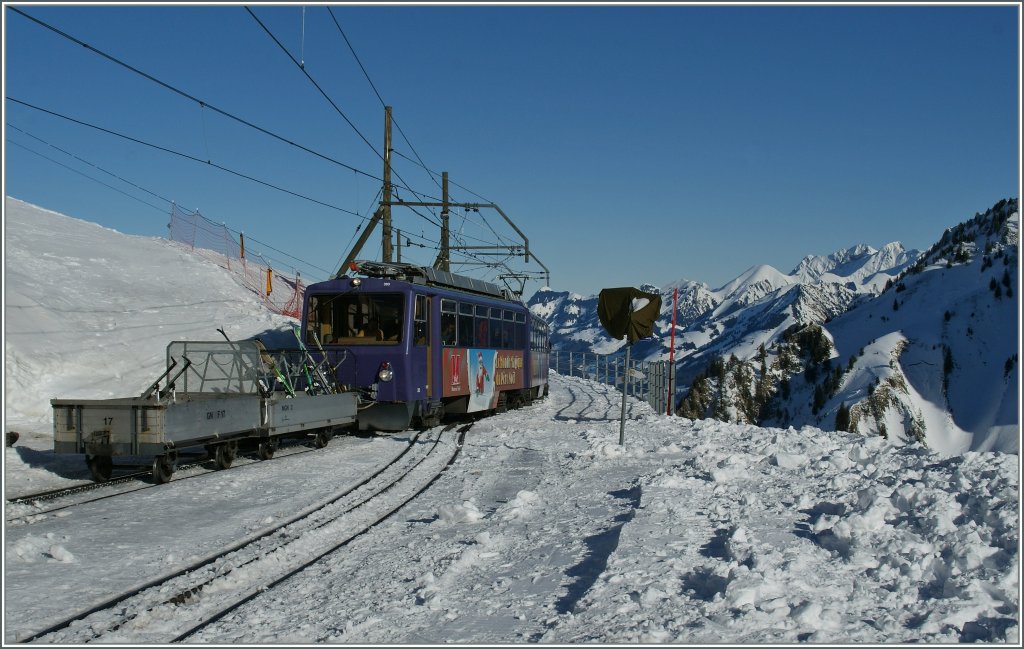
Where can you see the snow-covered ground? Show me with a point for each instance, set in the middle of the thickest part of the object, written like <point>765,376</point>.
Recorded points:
<point>544,530</point>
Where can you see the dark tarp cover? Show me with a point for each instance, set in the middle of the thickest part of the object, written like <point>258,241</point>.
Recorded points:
<point>615,310</point>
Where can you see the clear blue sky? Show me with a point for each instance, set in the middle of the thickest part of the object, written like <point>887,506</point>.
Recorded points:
<point>630,144</point>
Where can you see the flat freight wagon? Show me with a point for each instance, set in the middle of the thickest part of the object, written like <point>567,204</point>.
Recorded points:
<point>216,395</point>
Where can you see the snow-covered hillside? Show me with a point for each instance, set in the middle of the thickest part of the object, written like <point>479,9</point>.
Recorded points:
<point>72,284</point>
<point>940,345</point>
<point>544,530</point>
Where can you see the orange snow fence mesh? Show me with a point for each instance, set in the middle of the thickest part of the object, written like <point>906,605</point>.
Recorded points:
<point>280,293</point>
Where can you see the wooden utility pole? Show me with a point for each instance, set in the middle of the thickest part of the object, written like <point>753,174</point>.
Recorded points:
<point>386,202</point>
<point>443,262</point>
<point>443,259</point>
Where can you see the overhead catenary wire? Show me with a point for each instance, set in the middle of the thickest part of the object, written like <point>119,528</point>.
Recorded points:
<point>437,174</point>
<point>433,173</point>
<point>302,68</point>
<point>501,239</point>
<point>186,156</point>
<point>327,273</point>
<point>141,188</point>
<point>376,92</point>
<point>302,48</point>
<point>355,232</point>
<point>190,97</point>
<point>334,105</point>
<point>95,166</point>
<point>204,104</point>
<point>419,160</point>
<point>85,175</point>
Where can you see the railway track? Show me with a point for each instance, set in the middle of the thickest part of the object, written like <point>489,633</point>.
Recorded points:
<point>214,586</point>
<point>35,506</point>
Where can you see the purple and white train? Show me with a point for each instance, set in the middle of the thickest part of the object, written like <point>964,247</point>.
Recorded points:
<point>417,344</point>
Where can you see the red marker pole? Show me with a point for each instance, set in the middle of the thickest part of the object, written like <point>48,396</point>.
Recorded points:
<point>672,354</point>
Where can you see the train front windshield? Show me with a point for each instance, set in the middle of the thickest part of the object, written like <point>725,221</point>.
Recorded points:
<point>355,318</point>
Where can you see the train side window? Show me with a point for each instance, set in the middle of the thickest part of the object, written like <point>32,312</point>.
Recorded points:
<point>538,335</point>
<point>420,321</point>
<point>519,331</point>
<point>465,324</point>
<point>481,327</point>
<point>448,323</point>
<point>507,326</point>
<point>495,327</point>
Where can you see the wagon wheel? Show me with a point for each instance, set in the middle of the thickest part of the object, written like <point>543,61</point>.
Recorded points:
<point>323,436</point>
<point>224,454</point>
<point>100,467</point>
<point>162,469</point>
<point>266,449</point>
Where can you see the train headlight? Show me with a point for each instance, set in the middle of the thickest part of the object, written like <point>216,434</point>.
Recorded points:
<point>385,374</point>
<point>356,282</point>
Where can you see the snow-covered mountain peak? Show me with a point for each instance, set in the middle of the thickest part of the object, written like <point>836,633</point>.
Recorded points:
<point>860,268</point>
<point>813,267</point>
<point>850,261</point>
<point>761,278</point>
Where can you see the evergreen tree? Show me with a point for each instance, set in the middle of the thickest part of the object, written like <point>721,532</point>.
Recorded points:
<point>843,418</point>
<point>717,369</point>
<point>917,430</point>
<point>947,367</point>
<point>819,399</point>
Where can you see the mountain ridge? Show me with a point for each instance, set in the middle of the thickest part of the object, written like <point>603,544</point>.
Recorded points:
<point>914,305</point>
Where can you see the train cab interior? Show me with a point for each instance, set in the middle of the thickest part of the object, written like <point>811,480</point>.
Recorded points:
<point>356,319</point>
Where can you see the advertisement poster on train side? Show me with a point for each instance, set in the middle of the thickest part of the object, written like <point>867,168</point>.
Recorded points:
<point>481,374</point>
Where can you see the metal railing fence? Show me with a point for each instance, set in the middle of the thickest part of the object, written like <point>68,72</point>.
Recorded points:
<point>649,381</point>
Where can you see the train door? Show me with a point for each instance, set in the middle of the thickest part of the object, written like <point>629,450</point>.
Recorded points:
<point>421,349</point>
